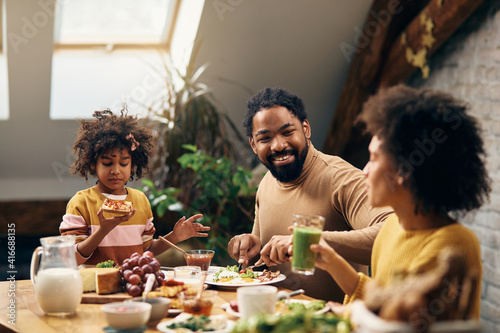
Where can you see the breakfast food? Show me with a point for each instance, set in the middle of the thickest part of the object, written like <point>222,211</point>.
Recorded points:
<point>136,269</point>
<point>231,275</point>
<point>200,323</point>
<point>101,280</point>
<point>116,207</point>
<point>172,289</point>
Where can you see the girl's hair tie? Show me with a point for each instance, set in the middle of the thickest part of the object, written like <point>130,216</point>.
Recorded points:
<point>135,144</point>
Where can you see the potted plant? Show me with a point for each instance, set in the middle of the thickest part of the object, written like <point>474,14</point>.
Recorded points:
<point>220,191</point>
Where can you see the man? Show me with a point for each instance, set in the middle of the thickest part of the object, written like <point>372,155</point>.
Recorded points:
<point>302,180</point>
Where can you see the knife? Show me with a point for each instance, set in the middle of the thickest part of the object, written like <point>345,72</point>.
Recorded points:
<point>259,266</point>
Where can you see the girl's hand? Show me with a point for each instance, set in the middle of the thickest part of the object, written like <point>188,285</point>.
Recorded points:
<point>109,224</point>
<point>326,255</point>
<point>185,229</point>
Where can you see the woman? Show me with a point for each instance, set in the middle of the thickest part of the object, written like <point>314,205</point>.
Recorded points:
<point>425,162</point>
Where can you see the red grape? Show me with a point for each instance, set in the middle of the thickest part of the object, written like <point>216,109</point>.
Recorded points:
<point>134,290</point>
<point>149,254</point>
<point>144,260</point>
<point>134,279</point>
<point>155,265</point>
<point>126,274</point>
<point>138,270</point>
<point>133,262</point>
<point>146,269</point>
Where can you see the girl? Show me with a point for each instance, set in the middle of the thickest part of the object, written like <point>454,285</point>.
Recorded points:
<point>114,149</point>
<point>425,162</point>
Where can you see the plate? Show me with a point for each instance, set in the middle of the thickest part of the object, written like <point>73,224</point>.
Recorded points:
<point>163,326</point>
<point>229,310</point>
<point>225,285</point>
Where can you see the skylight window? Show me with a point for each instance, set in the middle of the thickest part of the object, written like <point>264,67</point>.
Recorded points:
<point>114,22</point>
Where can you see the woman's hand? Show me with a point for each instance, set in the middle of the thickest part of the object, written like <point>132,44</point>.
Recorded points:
<point>185,229</point>
<point>326,255</point>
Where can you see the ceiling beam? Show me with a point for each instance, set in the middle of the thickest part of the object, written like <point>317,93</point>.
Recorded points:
<point>423,36</point>
<point>384,60</point>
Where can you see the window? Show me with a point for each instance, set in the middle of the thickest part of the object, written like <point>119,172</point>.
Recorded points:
<point>115,22</point>
<point>104,51</point>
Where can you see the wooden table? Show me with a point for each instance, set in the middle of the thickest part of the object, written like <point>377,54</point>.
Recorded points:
<point>29,317</point>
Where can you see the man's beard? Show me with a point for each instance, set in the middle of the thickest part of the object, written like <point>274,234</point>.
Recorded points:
<point>287,173</point>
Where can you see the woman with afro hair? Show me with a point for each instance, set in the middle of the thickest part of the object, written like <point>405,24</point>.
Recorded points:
<point>426,162</point>
<point>115,149</point>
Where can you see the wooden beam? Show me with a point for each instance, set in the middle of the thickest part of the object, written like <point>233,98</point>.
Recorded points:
<point>423,36</point>
<point>383,24</point>
<point>413,33</point>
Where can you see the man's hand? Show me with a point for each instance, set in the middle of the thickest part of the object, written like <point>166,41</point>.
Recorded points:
<point>244,247</point>
<point>276,251</point>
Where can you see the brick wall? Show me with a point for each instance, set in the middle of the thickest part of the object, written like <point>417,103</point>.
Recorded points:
<point>468,66</point>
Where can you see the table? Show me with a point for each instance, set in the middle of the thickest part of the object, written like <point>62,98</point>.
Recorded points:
<point>29,317</point>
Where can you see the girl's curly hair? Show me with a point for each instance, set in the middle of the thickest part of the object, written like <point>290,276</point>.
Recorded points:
<point>106,132</point>
<point>434,144</point>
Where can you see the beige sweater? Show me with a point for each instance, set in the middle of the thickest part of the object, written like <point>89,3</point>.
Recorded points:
<point>334,189</point>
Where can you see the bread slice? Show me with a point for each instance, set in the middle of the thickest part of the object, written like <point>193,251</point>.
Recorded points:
<point>116,207</point>
<point>101,280</point>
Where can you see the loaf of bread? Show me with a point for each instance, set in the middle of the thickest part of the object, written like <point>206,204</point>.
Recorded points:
<point>101,280</point>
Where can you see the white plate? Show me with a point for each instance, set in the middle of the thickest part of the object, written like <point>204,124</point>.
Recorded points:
<point>227,285</point>
<point>229,310</point>
<point>163,326</point>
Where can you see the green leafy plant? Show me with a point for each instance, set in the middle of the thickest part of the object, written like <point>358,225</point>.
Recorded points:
<point>220,191</point>
<point>185,112</point>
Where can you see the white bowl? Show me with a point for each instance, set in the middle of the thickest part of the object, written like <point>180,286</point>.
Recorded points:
<point>159,310</point>
<point>125,315</point>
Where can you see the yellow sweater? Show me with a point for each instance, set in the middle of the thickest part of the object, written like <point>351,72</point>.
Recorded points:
<point>398,252</point>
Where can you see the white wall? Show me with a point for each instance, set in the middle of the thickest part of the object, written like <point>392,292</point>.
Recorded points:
<point>257,43</point>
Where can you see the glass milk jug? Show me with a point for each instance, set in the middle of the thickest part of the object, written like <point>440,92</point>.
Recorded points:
<point>58,284</point>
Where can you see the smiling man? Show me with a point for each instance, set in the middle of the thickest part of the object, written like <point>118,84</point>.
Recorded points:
<point>302,180</point>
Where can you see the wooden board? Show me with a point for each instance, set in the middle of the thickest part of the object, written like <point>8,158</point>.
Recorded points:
<point>93,298</point>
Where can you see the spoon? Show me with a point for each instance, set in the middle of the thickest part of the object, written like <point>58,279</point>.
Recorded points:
<point>171,244</point>
<point>149,285</point>
<point>285,295</point>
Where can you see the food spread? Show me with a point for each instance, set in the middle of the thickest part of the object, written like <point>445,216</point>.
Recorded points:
<point>231,275</point>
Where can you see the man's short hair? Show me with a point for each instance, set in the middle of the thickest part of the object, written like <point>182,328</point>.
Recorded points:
<point>268,98</point>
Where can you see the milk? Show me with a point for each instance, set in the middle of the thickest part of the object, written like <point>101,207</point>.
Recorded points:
<point>58,290</point>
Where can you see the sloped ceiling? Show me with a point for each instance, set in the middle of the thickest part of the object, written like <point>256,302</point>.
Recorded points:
<point>295,44</point>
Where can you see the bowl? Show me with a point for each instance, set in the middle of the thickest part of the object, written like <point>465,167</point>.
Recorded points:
<point>159,308</point>
<point>126,315</point>
<point>199,306</point>
<point>201,258</point>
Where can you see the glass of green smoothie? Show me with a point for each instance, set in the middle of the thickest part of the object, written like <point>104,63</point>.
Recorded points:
<point>307,230</point>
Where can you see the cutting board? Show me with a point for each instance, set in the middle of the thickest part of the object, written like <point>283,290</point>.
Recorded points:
<point>93,298</point>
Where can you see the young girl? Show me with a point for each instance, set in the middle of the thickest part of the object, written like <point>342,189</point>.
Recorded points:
<point>425,162</point>
<point>114,149</point>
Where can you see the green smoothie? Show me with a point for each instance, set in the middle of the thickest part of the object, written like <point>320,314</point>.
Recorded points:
<point>303,258</point>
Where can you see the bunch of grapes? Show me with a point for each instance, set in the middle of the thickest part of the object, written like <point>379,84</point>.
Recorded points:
<point>136,269</point>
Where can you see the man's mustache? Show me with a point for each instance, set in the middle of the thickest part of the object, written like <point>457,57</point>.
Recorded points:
<point>283,153</point>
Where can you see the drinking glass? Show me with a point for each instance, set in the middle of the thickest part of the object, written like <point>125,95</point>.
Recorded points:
<point>307,230</point>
